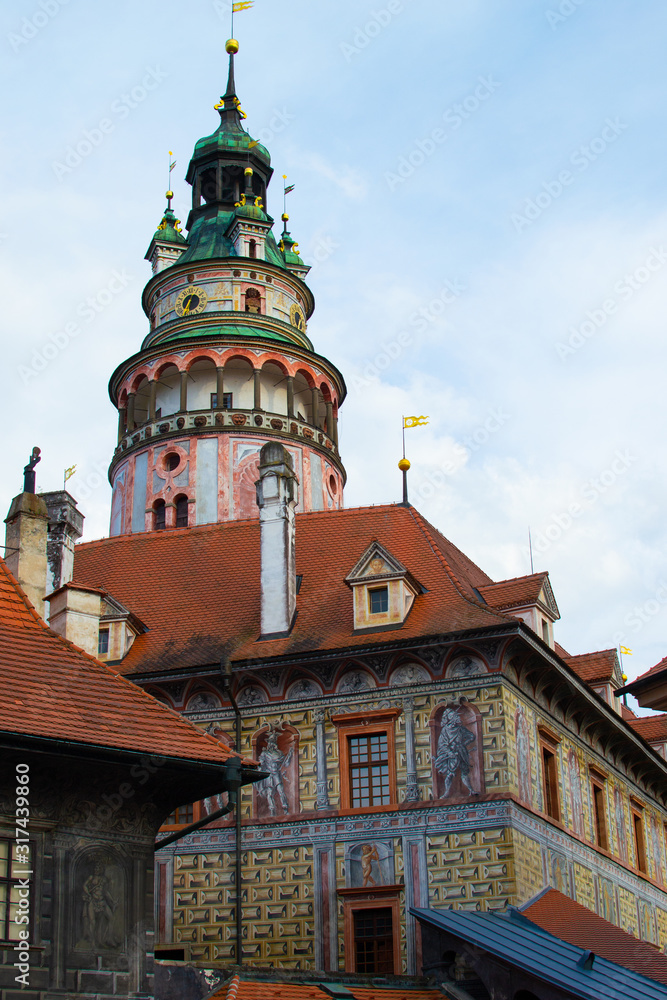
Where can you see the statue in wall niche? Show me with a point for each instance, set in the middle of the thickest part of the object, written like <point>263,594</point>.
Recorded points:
<point>276,762</point>
<point>369,854</point>
<point>99,906</point>
<point>453,750</point>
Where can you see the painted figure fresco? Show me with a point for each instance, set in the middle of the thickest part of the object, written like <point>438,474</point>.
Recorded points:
<point>275,749</point>
<point>575,793</point>
<point>620,825</point>
<point>523,756</point>
<point>99,906</point>
<point>466,666</point>
<point>370,864</point>
<point>453,752</point>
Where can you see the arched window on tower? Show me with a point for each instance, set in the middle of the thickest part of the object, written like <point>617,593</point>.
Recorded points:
<point>159,516</point>
<point>181,511</point>
<point>253,301</point>
<point>252,248</point>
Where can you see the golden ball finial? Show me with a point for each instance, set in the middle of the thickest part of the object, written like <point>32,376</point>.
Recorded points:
<point>231,46</point>
<point>285,217</point>
<point>248,171</point>
<point>404,465</point>
<point>624,677</point>
<point>169,194</point>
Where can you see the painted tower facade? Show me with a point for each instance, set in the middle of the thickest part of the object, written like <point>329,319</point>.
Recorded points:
<point>227,364</point>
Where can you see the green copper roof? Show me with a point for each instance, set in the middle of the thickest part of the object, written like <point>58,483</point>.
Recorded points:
<point>229,330</point>
<point>228,137</point>
<point>207,239</point>
<point>167,232</point>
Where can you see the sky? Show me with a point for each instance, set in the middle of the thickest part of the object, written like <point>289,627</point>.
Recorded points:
<point>481,190</point>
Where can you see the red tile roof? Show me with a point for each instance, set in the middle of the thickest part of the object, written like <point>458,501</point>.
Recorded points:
<point>652,728</point>
<point>242,988</point>
<point>50,688</point>
<point>571,922</point>
<point>197,589</point>
<point>518,592</point>
<point>600,666</point>
<point>657,669</point>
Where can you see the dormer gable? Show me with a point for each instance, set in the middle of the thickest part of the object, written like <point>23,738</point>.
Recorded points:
<point>529,598</point>
<point>383,590</point>
<point>119,627</point>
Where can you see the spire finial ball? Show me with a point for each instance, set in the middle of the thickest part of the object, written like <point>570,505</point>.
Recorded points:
<point>231,46</point>
<point>285,217</point>
<point>404,465</point>
<point>169,194</point>
<point>248,171</point>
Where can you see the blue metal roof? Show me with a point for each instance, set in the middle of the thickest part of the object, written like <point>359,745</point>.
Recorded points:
<point>517,941</point>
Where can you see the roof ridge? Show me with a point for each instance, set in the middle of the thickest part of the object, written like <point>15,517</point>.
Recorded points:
<point>514,579</point>
<point>594,652</point>
<point>422,523</point>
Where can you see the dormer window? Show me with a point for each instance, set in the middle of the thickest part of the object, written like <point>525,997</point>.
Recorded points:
<point>383,591</point>
<point>378,600</point>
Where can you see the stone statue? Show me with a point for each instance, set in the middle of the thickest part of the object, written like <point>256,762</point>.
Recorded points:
<point>273,760</point>
<point>98,909</point>
<point>452,754</point>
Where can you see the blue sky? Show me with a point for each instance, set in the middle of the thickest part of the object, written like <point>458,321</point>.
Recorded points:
<point>497,166</point>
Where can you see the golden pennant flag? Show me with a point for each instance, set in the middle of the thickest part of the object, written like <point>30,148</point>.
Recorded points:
<point>172,163</point>
<point>69,472</point>
<point>415,421</point>
<point>625,651</point>
<point>255,142</point>
<point>242,5</point>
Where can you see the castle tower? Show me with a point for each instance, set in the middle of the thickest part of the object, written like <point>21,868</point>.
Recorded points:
<point>227,365</point>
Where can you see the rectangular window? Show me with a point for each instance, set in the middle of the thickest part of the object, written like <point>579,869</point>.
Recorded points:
<point>226,401</point>
<point>550,776</point>
<point>379,600</point>
<point>369,770</point>
<point>9,890</point>
<point>545,630</point>
<point>103,642</point>
<point>640,847</point>
<point>373,940</point>
<point>182,816</point>
<point>600,817</point>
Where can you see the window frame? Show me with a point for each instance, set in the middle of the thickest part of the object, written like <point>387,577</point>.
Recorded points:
<point>549,747</point>
<point>384,590</point>
<point>9,882</point>
<point>356,901</point>
<point>638,835</point>
<point>365,724</point>
<point>600,825</point>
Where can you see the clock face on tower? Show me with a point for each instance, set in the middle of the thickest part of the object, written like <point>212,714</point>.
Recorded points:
<point>296,316</point>
<point>192,300</point>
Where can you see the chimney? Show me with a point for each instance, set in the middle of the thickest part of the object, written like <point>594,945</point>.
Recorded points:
<point>276,498</point>
<point>25,537</point>
<point>65,528</point>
